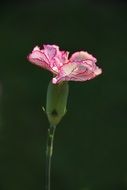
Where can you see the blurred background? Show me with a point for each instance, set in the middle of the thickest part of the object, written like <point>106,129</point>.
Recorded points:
<point>90,149</point>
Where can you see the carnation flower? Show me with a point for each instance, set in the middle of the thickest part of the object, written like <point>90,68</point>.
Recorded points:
<point>81,66</point>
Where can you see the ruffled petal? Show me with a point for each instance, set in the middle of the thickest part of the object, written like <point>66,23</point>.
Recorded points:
<point>56,57</point>
<point>81,67</point>
<point>38,57</point>
<point>82,56</point>
<point>50,57</point>
<point>50,51</point>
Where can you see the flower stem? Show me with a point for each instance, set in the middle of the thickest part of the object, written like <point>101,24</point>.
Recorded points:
<point>49,151</point>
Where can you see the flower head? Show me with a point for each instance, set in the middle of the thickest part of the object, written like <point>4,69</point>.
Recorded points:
<point>81,66</point>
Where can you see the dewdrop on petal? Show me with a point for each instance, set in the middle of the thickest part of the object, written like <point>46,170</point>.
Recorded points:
<point>57,95</point>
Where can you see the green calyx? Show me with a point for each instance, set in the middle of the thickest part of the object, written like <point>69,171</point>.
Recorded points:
<point>57,95</point>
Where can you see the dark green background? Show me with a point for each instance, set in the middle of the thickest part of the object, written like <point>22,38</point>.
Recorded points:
<point>90,150</point>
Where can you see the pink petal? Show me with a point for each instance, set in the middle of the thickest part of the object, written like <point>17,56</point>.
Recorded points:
<point>81,67</point>
<point>39,58</point>
<point>82,56</point>
<point>50,57</point>
<point>50,51</point>
<point>56,57</point>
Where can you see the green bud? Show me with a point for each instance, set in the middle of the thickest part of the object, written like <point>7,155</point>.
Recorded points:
<point>57,95</point>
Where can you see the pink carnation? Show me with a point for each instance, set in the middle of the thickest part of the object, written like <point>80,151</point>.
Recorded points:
<point>79,67</point>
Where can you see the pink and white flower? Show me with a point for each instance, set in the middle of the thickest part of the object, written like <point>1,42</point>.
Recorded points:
<point>81,66</point>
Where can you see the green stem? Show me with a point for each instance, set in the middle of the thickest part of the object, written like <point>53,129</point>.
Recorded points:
<point>49,150</point>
